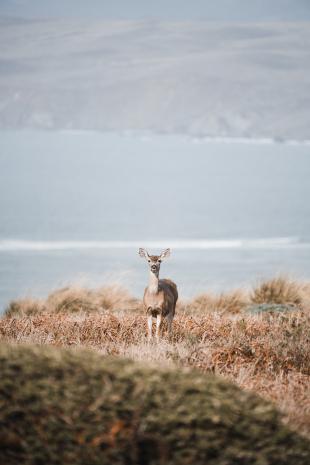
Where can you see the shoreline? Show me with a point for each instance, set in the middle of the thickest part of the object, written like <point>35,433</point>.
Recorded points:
<point>147,135</point>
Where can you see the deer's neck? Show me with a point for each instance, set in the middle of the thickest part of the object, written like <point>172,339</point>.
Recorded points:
<point>153,283</point>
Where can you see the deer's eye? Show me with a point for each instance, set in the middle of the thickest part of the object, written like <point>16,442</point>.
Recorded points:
<point>159,261</point>
<point>149,261</point>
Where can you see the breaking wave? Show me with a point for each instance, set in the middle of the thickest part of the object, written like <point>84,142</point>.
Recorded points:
<point>11,245</point>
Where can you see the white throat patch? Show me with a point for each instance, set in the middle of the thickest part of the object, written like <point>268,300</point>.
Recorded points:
<point>153,284</point>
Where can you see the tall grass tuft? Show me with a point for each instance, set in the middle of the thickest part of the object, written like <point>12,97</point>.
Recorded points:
<point>74,299</point>
<point>231,302</point>
<point>25,307</point>
<point>277,291</point>
<point>116,298</point>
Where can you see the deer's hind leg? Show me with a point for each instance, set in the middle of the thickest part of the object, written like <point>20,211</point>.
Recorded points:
<point>169,323</point>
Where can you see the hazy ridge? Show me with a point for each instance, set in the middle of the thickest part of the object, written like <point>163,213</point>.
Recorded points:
<point>196,78</point>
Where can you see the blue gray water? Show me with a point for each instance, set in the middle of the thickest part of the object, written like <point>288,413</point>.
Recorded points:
<point>75,206</point>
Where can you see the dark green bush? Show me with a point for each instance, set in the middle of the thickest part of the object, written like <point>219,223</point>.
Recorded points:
<point>65,407</point>
<point>271,308</point>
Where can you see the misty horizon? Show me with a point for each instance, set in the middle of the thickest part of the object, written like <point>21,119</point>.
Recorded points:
<point>223,10</point>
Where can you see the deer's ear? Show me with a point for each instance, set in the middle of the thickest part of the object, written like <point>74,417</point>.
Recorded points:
<point>143,253</point>
<point>165,253</point>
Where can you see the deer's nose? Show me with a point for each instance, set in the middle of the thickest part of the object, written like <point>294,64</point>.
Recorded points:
<point>153,267</point>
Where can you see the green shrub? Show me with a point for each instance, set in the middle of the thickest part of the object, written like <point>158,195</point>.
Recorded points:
<point>65,407</point>
<point>270,308</point>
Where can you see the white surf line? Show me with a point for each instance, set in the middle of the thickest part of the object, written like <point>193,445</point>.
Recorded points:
<point>194,244</point>
<point>149,135</point>
<point>248,140</point>
<point>218,139</point>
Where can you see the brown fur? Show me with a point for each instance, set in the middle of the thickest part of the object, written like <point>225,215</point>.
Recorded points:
<point>161,295</point>
<point>163,301</point>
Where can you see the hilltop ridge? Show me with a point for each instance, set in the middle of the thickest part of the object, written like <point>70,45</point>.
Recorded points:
<point>195,78</point>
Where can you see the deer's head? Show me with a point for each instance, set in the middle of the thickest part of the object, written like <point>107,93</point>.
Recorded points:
<point>154,261</point>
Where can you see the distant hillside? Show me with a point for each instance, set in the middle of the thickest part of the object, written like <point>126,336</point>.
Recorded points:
<point>197,78</point>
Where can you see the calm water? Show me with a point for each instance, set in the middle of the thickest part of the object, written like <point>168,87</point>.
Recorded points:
<point>76,206</point>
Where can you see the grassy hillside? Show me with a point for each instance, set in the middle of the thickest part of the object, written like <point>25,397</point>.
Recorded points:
<point>258,339</point>
<point>78,407</point>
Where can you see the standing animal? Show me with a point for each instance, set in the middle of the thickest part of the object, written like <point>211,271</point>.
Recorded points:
<point>161,295</point>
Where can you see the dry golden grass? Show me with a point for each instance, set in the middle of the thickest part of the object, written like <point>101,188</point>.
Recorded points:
<point>279,290</point>
<point>25,307</point>
<point>74,299</point>
<point>231,302</point>
<point>268,354</point>
<point>115,298</point>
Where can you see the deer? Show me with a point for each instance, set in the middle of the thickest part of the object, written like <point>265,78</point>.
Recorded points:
<point>160,296</point>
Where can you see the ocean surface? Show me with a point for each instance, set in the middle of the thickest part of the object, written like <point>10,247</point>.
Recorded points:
<point>76,206</point>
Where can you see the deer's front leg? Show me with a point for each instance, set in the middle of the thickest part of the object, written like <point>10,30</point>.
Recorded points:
<point>149,327</point>
<point>158,325</point>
